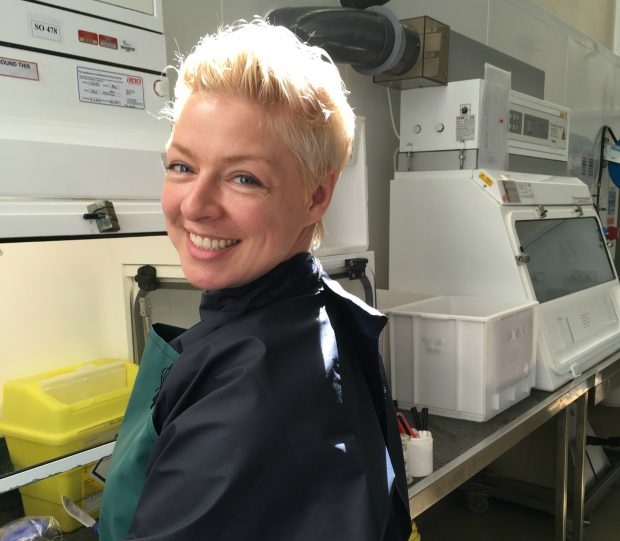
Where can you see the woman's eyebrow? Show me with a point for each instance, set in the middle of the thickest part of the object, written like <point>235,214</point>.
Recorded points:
<point>231,159</point>
<point>181,148</point>
<point>246,157</point>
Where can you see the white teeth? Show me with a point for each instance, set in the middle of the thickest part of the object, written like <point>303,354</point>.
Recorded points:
<point>206,243</point>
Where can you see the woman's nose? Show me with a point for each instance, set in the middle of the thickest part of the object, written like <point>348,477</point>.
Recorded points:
<point>202,200</point>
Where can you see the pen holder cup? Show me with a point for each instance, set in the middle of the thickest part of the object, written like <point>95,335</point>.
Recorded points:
<point>420,455</point>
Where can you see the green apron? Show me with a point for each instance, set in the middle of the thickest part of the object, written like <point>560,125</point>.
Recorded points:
<point>127,471</point>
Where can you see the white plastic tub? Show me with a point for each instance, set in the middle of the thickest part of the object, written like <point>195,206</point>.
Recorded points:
<point>463,357</point>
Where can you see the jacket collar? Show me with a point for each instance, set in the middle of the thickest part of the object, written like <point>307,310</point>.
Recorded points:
<point>296,276</point>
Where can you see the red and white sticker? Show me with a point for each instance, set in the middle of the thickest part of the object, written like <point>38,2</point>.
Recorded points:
<point>20,69</point>
<point>88,37</point>
<point>110,88</point>
<point>108,42</point>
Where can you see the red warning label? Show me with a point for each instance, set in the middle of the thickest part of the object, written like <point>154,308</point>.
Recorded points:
<point>108,42</point>
<point>88,37</point>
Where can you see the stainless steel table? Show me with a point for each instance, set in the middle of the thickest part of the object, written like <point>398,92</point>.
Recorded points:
<point>464,448</point>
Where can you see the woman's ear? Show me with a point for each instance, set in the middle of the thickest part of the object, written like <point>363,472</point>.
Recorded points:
<point>322,195</point>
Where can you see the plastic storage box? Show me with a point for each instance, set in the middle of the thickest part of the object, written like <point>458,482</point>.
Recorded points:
<point>56,413</point>
<point>463,357</point>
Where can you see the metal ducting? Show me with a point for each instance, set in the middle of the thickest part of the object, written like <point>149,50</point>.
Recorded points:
<point>372,40</point>
<point>362,4</point>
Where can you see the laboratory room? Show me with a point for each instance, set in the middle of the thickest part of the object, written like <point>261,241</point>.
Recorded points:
<point>286,270</point>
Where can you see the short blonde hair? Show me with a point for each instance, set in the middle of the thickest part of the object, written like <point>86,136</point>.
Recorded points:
<point>268,65</point>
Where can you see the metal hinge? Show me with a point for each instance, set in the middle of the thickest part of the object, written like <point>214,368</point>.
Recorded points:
<point>522,258</point>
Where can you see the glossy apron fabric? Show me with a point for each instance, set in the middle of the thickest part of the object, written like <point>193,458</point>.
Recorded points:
<point>137,435</point>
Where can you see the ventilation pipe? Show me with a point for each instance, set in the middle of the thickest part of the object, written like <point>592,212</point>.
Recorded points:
<point>372,40</point>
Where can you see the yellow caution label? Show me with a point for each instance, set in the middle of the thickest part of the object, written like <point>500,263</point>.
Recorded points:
<point>485,179</point>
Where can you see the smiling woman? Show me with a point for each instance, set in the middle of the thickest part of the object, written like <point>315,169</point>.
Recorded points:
<point>271,418</point>
<point>233,199</point>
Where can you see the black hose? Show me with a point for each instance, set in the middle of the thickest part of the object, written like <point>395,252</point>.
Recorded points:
<point>371,40</point>
<point>604,130</point>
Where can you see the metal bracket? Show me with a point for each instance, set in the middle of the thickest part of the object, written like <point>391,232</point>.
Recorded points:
<point>542,211</point>
<point>104,215</point>
<point>579,210</point>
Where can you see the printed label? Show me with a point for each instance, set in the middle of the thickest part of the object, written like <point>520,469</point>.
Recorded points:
<point>128,46</point>
<point>45,30</point>
<point>465,127</point>
<point>100,471</point>
<point>92,490</point>
<point>611,202</point>
<point>512,193</point>
<point>109,88</point>
<point>91,38</point>
<point>11,67</point>
<point>526,192</point>
<point>108,41</point>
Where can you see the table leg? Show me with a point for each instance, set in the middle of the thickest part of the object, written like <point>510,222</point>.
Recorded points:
<point>561,474</point>
<point>580,456</point>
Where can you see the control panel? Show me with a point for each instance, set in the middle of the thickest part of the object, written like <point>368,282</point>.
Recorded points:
<point>452,117</point>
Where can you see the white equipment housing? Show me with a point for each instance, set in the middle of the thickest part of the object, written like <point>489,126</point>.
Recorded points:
<point>453,117</point>
<point>513,236</point>
<point>81,87</point>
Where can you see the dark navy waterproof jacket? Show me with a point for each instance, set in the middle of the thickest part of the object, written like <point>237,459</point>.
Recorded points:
<point>275,422</point>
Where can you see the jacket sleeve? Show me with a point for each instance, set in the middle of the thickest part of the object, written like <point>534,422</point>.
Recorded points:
<point>245,452</point>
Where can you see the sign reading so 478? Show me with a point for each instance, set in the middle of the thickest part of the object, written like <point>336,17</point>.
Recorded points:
<point>45,30</point>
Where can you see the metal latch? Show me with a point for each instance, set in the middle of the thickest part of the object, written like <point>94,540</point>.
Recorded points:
<point>104,215</point>
<point>579,210</point>
<point>355,268</point>
<point>542,211</point>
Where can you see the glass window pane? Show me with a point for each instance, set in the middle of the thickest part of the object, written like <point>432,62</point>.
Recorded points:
<point>566,255</point>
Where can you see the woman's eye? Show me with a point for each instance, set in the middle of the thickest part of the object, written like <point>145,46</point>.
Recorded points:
<point>246,180</point>
<point>178,168</point>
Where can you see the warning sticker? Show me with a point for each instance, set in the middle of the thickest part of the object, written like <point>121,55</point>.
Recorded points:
<point>109,88</point>
<point>108,41</point>
<point>484,178</point>
<point>92,490</point>
<point>88,37</point>
<point>11,67</point>
<point>465,127</point>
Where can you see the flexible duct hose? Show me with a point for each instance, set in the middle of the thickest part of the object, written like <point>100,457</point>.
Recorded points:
<point>372,40</point>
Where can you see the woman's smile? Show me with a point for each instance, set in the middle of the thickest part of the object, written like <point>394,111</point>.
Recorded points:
<point>211,244</point>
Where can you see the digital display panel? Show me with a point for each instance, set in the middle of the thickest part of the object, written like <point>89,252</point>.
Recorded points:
<point>534,126</point>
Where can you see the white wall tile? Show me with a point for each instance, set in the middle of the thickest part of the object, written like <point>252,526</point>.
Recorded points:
<point>523,31</point>
<point>185,21</point>
<point>590,89</point>
<point>615,115</point>
<point>234,11</point>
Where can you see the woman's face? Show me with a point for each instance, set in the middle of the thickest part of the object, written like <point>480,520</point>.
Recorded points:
<point>233,199</point>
